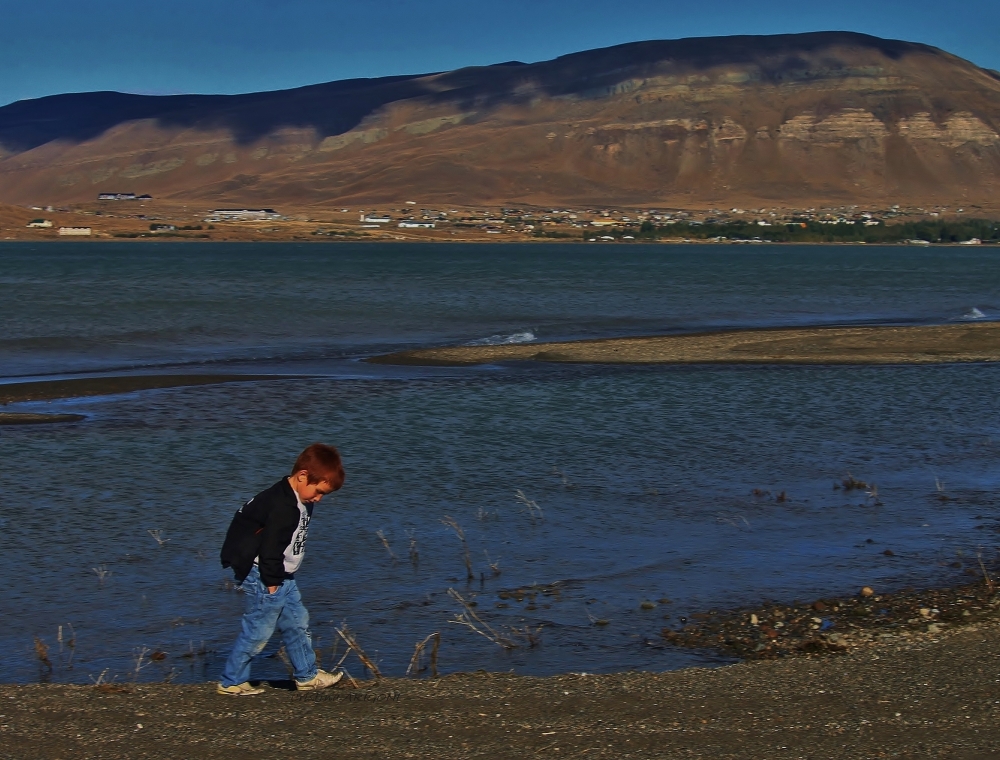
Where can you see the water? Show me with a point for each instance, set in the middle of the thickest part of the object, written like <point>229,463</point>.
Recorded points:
<point>644,475</point>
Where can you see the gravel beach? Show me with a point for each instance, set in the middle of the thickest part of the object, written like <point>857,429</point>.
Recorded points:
<point>932,695</point>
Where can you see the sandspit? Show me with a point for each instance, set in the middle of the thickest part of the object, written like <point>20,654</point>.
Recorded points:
<point>49,390</point>
<point>27,418</point>
<point>965,342</point>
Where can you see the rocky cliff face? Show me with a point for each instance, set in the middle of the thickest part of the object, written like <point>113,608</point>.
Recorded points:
<point>786,120</point>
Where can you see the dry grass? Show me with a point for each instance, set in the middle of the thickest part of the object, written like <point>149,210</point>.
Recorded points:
<point>414,667</point>
<point>534,511</point>
<point>42,653</point>
<point>385,543</point>
<point>283,656</point>
<point>414,553</point>
<point>493,565</point>
<point>70,643</point>
<point>139,662</point>
<point>850,483</point>
<point>471,620</point>
<point>158,537</point>
<point>451,523</point>
<point>102,573</point>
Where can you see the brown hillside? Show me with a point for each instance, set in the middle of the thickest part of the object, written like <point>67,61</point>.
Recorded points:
<point>786,120</point>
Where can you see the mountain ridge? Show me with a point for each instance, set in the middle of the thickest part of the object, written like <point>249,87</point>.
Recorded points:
<point>776,118</point>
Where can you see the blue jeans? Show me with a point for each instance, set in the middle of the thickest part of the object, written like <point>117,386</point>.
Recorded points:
<point>264,612</point>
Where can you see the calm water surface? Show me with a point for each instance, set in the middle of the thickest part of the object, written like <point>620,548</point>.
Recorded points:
<point>644,475</point>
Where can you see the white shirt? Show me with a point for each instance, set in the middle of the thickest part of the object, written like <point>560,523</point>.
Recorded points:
<point>296,549</point>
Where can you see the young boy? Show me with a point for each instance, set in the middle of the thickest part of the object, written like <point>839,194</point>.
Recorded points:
<point>264,547</point>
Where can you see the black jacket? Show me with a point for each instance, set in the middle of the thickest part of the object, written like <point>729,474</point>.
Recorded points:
<point>263,527</point>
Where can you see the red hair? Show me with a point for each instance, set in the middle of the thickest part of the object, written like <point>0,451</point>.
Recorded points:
<point>321,462</point>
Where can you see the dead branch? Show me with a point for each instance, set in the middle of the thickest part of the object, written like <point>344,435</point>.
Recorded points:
<point>418,651</point>
<point>348,637</point>
<point>470,619</point>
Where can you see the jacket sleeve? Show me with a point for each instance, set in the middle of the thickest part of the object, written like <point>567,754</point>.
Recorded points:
<point>276,536</point>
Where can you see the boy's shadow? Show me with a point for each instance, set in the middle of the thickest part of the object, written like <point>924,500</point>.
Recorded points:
<point>285,684</point>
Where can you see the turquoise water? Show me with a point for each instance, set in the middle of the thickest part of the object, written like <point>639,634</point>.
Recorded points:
<point>643,475</point>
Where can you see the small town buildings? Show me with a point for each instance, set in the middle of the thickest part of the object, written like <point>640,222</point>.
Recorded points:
<point>243,215</point>
<point>75,231</point>
<point>39,223</point>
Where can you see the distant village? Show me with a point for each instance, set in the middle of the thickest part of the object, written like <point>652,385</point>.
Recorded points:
<point>410,220</point>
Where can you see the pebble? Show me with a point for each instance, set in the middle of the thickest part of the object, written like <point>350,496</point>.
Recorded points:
<point>867,591</point>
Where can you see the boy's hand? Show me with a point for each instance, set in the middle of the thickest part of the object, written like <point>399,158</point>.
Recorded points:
<point>271,589</point>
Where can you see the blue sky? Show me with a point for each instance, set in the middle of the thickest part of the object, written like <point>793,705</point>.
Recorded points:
<point>221,46</point>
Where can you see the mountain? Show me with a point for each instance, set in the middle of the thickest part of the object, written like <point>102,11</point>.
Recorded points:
<point>792,120</point>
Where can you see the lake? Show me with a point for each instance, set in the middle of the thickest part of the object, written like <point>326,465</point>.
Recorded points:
<point>592,489</point>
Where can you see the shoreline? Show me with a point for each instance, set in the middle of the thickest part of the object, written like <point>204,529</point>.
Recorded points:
<point>512,240</point>
<point>936,344</point>
<point>933,695</point>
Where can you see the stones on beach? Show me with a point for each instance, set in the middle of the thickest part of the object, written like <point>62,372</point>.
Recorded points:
<point>781,630</point>
<point>867,591</point>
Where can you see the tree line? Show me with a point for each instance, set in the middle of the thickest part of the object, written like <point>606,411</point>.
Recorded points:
<point>810,231</point>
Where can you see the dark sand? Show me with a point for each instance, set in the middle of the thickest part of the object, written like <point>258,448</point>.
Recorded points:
<point>979,342</point>
<point>15,418</point>
<point>48,390</point>
<point>922,696</point>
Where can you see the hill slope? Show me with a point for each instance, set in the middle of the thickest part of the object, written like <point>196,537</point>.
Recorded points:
<point>790,119</point>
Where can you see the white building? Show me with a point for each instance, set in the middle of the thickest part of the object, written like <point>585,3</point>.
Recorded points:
<point>243,215</point>
<point>415,225</point>
<point>39,223</point>
<point>374,219</point>
<point>75,231</point>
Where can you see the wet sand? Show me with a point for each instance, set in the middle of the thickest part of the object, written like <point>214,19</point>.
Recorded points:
<point>49,390</point>
<point>935,695</point>
<point>14,418</point>
<point>979,342</point>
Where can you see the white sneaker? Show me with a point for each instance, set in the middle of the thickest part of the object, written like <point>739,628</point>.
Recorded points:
<point>320,681</point>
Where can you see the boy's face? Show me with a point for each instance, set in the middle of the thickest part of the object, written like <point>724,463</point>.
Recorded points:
<point>309,493</point>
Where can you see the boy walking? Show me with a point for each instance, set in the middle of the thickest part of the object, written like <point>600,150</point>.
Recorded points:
<point>264,546</point>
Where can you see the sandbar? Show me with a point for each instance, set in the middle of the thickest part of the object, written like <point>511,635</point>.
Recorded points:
<point>924,344</point>
<point>25,418</point>
<point>48,390</point>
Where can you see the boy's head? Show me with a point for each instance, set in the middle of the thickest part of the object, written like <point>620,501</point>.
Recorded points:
<point>316,472</point>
